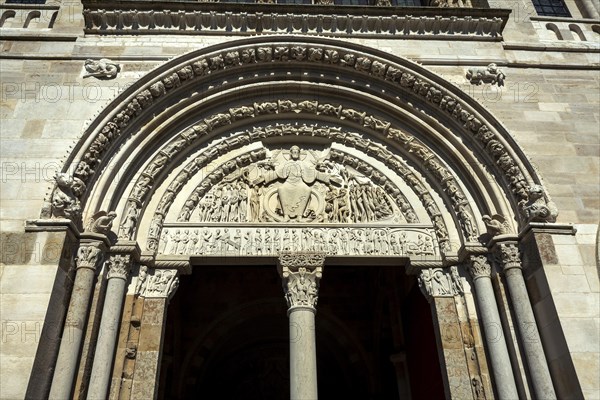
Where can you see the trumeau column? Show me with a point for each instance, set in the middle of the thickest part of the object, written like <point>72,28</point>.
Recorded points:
<point>527,327</point>
<point>119,267</point>
<point>502,372</point>
<point>89,256</point>
<point>301,273</point>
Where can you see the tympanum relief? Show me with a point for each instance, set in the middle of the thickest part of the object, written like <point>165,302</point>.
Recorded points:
<point>296,186</point>
<point>296,199</point>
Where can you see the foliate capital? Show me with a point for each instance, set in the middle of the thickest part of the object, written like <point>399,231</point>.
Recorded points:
<point>479,267</point>
<point>88,256</point>
<point>509,255</point>
<point>119,266</point>
<point>301,273</point>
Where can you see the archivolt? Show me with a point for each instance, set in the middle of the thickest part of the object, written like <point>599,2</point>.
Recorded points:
<point>450,128</point>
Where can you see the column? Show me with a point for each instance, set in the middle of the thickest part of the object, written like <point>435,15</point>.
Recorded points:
<point>89,255</point>
<point>301,273</point>
<point>526,325</point>
<point>504,379</point>
<point>119,267</point>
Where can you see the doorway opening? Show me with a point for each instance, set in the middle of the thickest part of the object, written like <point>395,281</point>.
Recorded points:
<point>227,336</point>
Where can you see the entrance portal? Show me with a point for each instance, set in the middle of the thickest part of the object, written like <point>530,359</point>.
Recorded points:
<point>227,336</point>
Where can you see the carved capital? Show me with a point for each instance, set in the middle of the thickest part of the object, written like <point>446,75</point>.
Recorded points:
<point>440,282</point>
<point>89,256</point>
<point>161,283</point>
<point>301,273</point>
<point>509,256</point>
<point>119,266</point>
<point>480,267</point>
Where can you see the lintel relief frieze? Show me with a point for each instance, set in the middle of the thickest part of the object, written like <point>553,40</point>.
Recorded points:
<point>330,239</point>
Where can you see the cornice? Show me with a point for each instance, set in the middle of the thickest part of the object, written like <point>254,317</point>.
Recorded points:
<point>192,18</point>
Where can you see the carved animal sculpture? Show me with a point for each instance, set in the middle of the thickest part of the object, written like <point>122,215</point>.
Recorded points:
<point>103,68</point>
<point>63,201</point>
<point>537,208</point>
<point>491,74</point>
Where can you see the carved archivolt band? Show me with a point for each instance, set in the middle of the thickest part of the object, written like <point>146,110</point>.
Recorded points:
<point>404,79</point>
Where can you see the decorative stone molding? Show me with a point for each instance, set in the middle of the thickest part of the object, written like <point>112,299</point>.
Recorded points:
<point>119,266</point>
<point>479,267</point>
<point>200,19</point>
<point>101,69</point>
<point>89,256</point>
<point>490,74</point>
<point>440,282</point>
<point>161,283</point>
<point>301,273</point>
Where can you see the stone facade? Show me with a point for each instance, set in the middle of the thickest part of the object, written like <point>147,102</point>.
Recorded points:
<point>477,125</point>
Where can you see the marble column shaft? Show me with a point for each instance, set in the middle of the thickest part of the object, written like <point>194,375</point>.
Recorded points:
<point>526,325</point>
<point>118,274</point>
<point>88,256</point>
<point>301,273</point>
<point>502,372</point>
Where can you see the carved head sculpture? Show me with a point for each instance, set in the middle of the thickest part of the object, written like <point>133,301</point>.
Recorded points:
<point>295,152</point>
<point>535,192</point>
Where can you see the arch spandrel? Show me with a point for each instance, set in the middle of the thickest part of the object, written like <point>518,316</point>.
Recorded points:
<point>480,156</point>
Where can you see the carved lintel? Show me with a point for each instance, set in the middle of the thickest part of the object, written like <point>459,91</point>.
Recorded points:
<point>158,283</point>
<point>119,266</point>
<point>301,273</point>
<point>89,255</point>
<point>440,282</point>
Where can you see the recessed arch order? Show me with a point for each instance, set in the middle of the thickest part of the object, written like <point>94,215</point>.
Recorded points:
<point>440,156</point>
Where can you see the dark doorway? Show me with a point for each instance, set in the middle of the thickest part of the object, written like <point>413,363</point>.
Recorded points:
<point>227,334</point>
